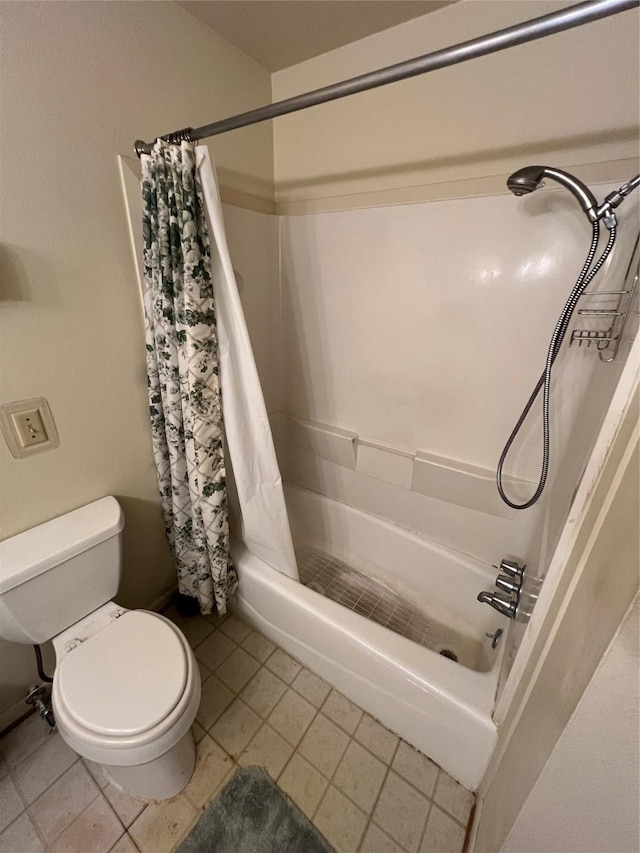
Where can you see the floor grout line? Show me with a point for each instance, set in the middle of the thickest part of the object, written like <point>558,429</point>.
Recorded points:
<point>384,782</point>
<point>426,825</point>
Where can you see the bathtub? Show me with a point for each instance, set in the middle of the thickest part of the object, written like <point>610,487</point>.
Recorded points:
<point>441,707</point>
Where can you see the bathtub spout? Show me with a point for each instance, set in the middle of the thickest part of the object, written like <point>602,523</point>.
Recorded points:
<point>500,603</point>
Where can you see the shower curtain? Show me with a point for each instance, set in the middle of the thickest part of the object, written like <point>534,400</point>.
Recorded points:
<point>203,384</point>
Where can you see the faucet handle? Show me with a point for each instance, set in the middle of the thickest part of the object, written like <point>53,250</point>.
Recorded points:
<point>510,585</point>
<point>512,568</point>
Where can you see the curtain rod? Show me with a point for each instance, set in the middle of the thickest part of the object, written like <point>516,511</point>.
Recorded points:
<point>536,28</point>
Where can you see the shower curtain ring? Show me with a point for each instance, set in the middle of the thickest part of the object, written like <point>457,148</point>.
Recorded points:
<point>179,136</point>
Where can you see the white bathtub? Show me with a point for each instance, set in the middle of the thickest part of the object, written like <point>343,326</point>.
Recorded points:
<point>441,707</point>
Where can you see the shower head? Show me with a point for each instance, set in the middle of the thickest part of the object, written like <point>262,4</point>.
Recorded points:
<point>530,178</point>
<point>525,180</point>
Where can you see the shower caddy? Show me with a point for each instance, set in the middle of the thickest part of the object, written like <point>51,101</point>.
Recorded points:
<point>607,341</point>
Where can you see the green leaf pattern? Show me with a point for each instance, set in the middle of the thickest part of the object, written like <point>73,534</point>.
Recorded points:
<point>185,403</point>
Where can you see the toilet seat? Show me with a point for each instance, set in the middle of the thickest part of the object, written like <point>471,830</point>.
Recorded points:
<point>125,679</point>
<point>102,732</point>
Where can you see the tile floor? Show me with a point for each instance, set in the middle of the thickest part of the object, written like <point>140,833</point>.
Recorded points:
<point>364,788</point>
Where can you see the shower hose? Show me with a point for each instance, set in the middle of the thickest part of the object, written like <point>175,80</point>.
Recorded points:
<point>584,279</point>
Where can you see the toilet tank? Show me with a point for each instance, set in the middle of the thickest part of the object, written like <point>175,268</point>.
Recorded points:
<point>55,574</point>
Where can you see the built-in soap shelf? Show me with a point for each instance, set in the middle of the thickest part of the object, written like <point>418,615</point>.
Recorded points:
<point>430,474</point>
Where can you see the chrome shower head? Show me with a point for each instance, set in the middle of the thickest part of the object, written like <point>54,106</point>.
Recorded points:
<point>529,178</point>
<point>525,180</point>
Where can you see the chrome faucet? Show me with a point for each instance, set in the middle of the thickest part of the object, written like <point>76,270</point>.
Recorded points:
<point>500,603</point>
<point>506,601</point>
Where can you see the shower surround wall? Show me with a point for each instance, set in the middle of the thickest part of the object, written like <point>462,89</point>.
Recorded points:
<point>416,332</point>
<point>421,329</point>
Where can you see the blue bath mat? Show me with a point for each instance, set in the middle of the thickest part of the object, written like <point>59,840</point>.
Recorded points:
<point>252,815</point>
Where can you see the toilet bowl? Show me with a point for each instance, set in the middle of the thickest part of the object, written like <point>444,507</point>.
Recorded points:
<point>126,685</point>
<point>126,690</point>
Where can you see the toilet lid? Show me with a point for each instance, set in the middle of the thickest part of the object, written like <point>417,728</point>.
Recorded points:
<point>125,679</point>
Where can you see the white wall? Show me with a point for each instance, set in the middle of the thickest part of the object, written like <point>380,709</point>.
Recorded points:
<point>80,82</point>
<point>569,100</point>
<point>424,328</point>
<point>586,797</point>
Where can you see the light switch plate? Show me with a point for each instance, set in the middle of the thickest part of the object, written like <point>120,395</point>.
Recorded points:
<point>28,427</point>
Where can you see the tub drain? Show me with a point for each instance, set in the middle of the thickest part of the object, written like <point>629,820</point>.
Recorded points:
<point>447,653</point>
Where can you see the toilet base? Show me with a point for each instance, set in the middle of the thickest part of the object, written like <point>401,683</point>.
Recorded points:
<point>161,778</point>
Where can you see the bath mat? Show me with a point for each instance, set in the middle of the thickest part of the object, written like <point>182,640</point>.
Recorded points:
<point>252,815</point>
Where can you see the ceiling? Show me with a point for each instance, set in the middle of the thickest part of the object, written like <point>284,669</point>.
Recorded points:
<point>280,33</point>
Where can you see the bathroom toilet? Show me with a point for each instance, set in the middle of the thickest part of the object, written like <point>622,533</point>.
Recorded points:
<point>126,685</point>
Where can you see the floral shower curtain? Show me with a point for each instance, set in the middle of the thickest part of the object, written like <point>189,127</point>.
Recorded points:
<point>183,372</point>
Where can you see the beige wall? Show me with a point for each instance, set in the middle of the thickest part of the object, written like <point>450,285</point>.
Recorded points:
<point>80,82</point>
<point>571,99</point>
<point>586,798</point>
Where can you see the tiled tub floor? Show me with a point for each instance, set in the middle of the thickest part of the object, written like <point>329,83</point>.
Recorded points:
<point>372,599</point>
<point>363,788</point>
